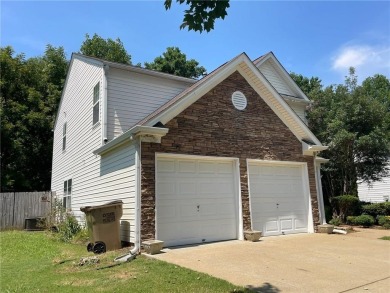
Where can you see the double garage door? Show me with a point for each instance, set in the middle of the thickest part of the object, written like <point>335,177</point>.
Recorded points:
<point>197,199</point>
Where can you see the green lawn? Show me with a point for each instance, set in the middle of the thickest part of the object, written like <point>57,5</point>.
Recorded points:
<point>36,262</point>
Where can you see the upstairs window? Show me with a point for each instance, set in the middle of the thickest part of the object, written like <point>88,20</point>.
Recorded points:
<point>66,199</point>
<point>96,99</point>
<point>64,137</point>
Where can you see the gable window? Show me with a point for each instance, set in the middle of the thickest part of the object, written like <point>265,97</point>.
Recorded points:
<point>64,137</point>
<point>66,199</point>
<point>96,103</point>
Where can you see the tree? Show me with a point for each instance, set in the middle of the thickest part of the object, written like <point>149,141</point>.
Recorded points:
<point>201,15</point>
<point>312,87</point>
<point>175,62</point>
<point>109,49</point>
<point>30,94</point>
<point>354,123</point>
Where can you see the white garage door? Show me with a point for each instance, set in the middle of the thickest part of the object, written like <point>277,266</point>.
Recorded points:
<point>196,200</point>
<point>278,198</point>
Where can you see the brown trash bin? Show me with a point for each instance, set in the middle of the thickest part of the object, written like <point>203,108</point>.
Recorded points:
<point>103,224</point>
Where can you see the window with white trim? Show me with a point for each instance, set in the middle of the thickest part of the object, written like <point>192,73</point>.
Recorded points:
<point>64,137</point>
<point>67,197</point>
<point>96,99</point>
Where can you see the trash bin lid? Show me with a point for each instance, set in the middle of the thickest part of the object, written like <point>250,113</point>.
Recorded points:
<point>109,204</point>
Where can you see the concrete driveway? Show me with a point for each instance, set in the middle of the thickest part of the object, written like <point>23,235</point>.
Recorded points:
<point>356,262</point>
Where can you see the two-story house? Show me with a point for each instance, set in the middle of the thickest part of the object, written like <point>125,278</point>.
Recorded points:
<point>193,160</point>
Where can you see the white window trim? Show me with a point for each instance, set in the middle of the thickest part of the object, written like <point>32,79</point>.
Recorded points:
<point>97,86</point>
<point>66,195</point>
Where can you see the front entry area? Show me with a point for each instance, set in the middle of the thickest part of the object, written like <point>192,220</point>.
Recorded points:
<point>279,197</point>
<point>196,199</point>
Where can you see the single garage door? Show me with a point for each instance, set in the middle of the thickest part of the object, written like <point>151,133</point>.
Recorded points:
<point>278,197</point>
<point>196,200</point>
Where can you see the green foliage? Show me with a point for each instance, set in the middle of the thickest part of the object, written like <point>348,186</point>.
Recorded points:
<point>347,205</point>
<point>384,221</point>
<point>201,15</point>
<point>385,238</point>
<point>68,228</point>
<point>335,222</point>
<point>106,49</point>
<point>173,61</point>
<point>376,209</point>
<point>351,220</point>
<point>354,121</point>
<point>30,92</point>
<point>364,220</point>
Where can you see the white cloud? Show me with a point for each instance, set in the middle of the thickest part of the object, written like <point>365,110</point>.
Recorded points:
<point>367,60</point>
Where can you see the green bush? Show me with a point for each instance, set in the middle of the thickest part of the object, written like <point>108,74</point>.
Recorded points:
<point>68,228</point>
<point>351,220</point>
<point>364,220</point>
<point>383,221</point>
<point>335,222</point>
<point>376,209</point>
<point>347,205</point>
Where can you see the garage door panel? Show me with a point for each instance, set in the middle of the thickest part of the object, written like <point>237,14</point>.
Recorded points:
<point>202,198</point>
<point>277,198</point>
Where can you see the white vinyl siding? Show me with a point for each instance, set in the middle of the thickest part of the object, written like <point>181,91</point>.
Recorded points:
<point>275,79</point>
<point>299,109</point>
<point>95,180</point>
<point>378,192</point>
<point>133,96</point>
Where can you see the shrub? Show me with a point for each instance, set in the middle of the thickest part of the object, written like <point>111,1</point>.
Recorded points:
<point>68,228</point>
<point>376,209</point>
<point>351,220</point>
<point>347,205</point>
<point>364,220</point>
<point>335,222</point>
<point>383,221</point>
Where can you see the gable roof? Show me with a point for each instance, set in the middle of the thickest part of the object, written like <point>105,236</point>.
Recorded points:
<point>254,77</point>
<point>282,72</point>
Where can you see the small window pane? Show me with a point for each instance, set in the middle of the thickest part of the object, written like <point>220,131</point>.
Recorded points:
<point>96,113</point>
<point>70,186</point>
<point>96,94</point>
<point>64,129</point>
<point>65,187</point>
<point>64,201</point>
<point>64,143</point>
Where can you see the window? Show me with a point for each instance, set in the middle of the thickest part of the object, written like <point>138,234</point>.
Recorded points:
<point>66,200</point>
<point>64,137</point>
<point>96,103</point>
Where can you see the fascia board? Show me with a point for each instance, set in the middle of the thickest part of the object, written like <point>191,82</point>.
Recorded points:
<point>273,91</point>
<point>287,76</point>
<point>137,130</point>
<point>193,96</point>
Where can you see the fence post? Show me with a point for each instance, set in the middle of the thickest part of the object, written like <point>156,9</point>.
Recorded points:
<point>13,211</point>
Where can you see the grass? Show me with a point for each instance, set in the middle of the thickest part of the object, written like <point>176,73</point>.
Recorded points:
<point>385,238</point>
<point>37,262</point>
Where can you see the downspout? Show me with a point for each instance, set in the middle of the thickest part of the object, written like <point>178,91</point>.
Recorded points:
<point>320,196</point>
<point>105,110</point>
<point>137,243</point>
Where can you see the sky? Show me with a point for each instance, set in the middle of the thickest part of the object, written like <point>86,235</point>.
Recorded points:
<point>312,38</point>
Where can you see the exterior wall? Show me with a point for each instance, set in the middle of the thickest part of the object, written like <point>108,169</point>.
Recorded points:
<point>275,79</point>
<point>95,180</point>
<point>378,192</point>
<point>299,109</point>
<point>213,127</point>
<point>133,96</point>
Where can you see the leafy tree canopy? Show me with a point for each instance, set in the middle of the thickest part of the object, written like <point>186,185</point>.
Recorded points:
<point>354,121</point>
<point>30,94</point>
<point>175,62</point>
<point>108,49</point>
<point>201,15</point>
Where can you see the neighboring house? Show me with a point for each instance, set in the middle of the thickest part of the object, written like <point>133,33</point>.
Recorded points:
<point>193,160</point>
<point>378,191</point>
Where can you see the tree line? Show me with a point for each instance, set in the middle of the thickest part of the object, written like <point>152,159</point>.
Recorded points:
<point>353,120</point>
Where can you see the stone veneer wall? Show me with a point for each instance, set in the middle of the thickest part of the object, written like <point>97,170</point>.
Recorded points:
<point>213,127</point>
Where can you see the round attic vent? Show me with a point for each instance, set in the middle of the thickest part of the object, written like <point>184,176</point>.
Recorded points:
<point>239,100</point>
